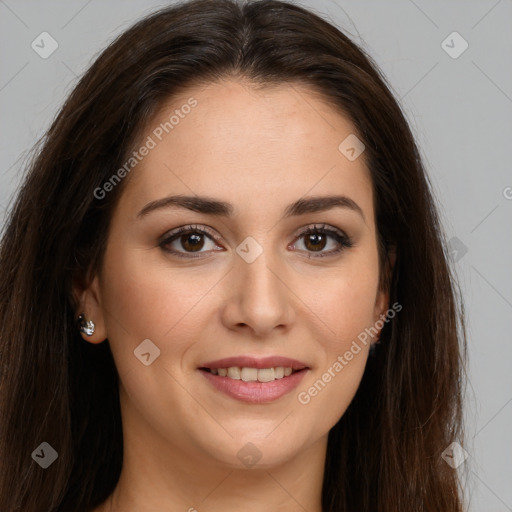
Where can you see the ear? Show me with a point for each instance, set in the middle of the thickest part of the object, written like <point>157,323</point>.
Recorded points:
<point>382,300</point>
<point>88,297</point>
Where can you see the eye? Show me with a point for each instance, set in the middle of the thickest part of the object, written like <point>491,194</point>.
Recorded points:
<point>189,238</point>
<point>316,238</point>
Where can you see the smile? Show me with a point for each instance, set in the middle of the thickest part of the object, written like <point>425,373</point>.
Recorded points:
<point>248,374</point>
<point>248,385</point>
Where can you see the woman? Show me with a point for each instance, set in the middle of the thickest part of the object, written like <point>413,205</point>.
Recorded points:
<point>224,283</point>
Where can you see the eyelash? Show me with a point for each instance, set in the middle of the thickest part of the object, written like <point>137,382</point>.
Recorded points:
<point>343,240</point>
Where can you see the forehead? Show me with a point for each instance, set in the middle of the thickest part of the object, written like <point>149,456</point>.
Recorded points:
<point>230,140</point>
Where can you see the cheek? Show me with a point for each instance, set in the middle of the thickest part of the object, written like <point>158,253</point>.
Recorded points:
<point>326,396</point>
<point>346,306</point>
<point>133,303</point>
<point>144,298</point>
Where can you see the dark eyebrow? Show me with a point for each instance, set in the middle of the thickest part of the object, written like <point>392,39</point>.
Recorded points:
<point>215,207</point>
<point>321,204</point>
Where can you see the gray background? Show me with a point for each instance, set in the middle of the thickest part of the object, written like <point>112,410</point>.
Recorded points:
<point>460,110</point>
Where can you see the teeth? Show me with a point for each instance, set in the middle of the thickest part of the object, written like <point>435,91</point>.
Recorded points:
<point>266,374</point>
<point>234,372</point>
<point>249,374</point>
<point>253,374</point>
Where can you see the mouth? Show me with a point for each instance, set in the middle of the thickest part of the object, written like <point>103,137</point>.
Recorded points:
<point>249,374</point>
<point>253,380</point>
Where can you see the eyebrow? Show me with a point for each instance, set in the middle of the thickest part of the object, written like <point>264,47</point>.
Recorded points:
<point>209,206</point>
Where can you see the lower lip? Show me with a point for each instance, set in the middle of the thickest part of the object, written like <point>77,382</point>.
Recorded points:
<point>255,392</point>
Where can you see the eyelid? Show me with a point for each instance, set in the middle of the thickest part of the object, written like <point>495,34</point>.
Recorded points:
<point>201,228</point>
<point>343,240</point>
<point>210,231</point>
<point>320,227</point>
<point>173,234</point>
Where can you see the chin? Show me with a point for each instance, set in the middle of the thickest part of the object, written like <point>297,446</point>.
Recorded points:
<point>254,452</point>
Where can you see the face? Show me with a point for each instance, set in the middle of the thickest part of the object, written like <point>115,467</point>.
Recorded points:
<point>244,279</point>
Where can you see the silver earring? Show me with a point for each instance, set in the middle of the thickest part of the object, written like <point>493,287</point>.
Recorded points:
<point>373,348</point>
<point>85,326</point>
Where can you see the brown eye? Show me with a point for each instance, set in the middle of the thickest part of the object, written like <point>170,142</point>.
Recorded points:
<point>316,238</point>
<point>315,241</point>
<point>186,241</point>
<point>192,242</point>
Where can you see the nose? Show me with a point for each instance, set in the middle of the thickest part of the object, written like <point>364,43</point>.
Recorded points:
<point>259,299</point>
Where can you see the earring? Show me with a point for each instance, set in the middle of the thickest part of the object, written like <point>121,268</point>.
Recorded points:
<point>85,326</point>
<point>373,348</point>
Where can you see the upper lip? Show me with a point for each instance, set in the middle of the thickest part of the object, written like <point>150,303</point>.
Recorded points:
<point>255,362</point>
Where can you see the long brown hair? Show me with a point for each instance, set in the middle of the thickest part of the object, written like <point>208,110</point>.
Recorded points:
<point>385,452</point>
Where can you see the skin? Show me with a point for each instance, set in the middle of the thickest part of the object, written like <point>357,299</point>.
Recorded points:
<point>259,150</point>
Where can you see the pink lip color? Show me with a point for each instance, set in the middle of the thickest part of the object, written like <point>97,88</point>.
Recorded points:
<point>255,392</point>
